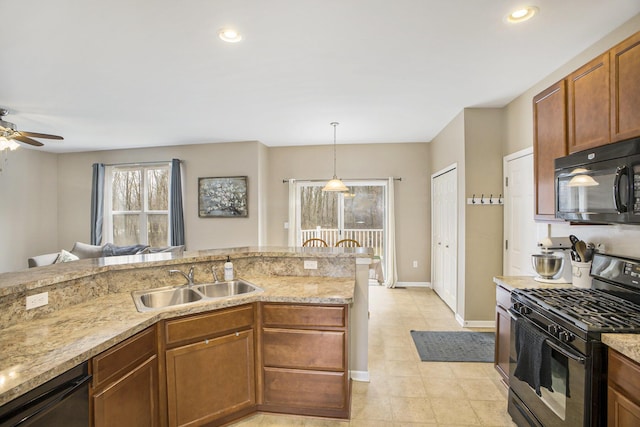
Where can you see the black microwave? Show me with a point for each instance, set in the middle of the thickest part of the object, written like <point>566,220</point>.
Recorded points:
<point>600,185</point>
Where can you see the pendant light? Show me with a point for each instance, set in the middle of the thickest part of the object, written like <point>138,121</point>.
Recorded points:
<point>335,184</point>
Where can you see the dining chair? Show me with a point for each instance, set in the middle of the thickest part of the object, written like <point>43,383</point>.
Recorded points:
<point>348,243</point>
<point>315,242</point>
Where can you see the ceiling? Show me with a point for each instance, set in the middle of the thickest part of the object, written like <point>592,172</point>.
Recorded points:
<point>139,73</point>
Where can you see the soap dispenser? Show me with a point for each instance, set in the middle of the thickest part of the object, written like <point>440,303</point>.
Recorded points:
<point>228,269</point>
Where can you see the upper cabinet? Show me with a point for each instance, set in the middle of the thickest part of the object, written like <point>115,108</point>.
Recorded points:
<point>597,104</point>
<point>549,142</point>
<point>588,105</point>
<point>625,89</point>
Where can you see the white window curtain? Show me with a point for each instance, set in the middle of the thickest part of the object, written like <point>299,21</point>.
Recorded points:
<point>293,226</point>
<point>391,277</point>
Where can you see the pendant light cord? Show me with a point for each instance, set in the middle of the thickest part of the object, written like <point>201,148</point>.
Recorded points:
<point>334,124</point>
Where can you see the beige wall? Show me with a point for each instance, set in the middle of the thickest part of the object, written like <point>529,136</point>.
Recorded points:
<point>28,207</point>
<point>412,194</point>
<point>207,160</point>
<point>473,141</point>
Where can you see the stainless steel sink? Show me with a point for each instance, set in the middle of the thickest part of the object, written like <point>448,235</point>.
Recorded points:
<point>164,297</point>
<point>171,296</point>
<point>227,289</point>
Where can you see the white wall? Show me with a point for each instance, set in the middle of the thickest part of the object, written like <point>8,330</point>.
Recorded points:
<point>28,207</point>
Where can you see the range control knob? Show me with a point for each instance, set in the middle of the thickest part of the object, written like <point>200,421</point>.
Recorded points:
<point>524,310</point>
<point>566,336</point>
<point>553,330</point>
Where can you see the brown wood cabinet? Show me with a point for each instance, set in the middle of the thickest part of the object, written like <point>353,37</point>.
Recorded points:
<point>588,105</point>
<point>549,143</point>
<point>623,397</point>
<point>503,333</point>
<point>210,366</point>
<point>625,89</point>
<point>124,388</point>
<point>305,359</point>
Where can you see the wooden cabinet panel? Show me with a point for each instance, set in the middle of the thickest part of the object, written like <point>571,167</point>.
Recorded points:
<point>121,358</point>
<point>625,89</point>
<point>589,113</point>
<point>275,315</point>
<point>549,143</point>
<point>210,379</point>
<point>503,333</point>
<point>623,404</point>
<point>208,325</point>
<point>130,401</point>
<point>321,350</point>
<point>305,389</point>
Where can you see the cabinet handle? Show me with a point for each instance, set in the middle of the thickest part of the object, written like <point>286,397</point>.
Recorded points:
<point>237,333</point>
<point>206,341</point>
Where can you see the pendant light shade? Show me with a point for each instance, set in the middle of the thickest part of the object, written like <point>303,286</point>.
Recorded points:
<point>335,184</point>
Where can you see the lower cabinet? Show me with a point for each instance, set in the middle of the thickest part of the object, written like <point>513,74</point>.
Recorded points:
<point>305,360</point>
<point>503,333</point>
<point>210,367</point>
<point>124,388</point>
<point>623,395</point>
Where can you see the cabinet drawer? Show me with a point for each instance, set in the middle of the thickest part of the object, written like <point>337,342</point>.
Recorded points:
<point>208,325</point>
<point>113,363</point>
<point>304,349</point>
<point>503,297</point>
<point>303,315</point>
<point>624,374</point>
<point>305,389</point>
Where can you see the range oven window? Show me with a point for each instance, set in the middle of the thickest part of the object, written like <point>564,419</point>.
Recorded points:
<point>555,396</point>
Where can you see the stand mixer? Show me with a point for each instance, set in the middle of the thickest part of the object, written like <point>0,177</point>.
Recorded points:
<point>553,264</point>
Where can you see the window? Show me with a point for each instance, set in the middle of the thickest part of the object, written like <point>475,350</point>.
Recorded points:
<point>137,205</point>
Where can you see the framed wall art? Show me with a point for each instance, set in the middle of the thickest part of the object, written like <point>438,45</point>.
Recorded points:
<point>222,197</point>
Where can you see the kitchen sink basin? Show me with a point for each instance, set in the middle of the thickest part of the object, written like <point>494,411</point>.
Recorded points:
<point>226,289</point>
<point>164,297</point>
<point>171,296</point>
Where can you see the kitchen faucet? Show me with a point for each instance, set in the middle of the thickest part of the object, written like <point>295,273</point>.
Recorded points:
<point>189,276</point>
<point>215,274</point>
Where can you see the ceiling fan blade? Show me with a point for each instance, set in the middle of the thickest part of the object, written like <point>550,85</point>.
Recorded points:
<point>26,140</point>
<point>40,135</point>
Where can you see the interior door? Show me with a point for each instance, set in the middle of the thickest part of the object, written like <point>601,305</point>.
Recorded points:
<point>519,225</point>
<point>444,232</point>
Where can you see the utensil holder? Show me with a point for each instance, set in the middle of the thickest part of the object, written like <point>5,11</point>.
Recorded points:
<point>580,274</point>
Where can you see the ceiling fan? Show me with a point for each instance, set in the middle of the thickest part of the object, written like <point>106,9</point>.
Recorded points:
<point>9,131</point>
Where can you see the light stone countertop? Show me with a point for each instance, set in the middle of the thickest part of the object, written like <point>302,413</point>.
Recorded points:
<point>626,344</point>
<point>34,351</point>
<point>525,282</point>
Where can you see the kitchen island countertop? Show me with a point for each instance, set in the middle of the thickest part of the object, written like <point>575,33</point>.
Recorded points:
<point>34,351</point>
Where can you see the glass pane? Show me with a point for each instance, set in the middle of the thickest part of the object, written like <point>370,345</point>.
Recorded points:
<point>364,207</point>
<point>127,189</point>
<point>158,230</point>
<point>126,229</point>
<point>318,208</point>
<point>158,189</point>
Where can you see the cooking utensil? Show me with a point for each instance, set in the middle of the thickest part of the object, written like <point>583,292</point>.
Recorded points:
<point>581,249</point>
<point>573,240</point>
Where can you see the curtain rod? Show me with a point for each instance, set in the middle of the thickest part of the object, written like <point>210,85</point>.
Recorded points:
<point>284,181</point>
<point>139,163</point>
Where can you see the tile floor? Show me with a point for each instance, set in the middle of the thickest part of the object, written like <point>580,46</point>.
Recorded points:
<point>403,391</point>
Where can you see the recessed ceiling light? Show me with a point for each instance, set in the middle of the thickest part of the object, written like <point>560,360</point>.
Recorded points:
<point>230,35</point>
<point>522,14</point>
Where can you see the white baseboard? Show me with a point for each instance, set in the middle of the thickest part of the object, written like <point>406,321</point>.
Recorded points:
<point>413,284</point>
<point>475,323</point>
<point>362,376</point>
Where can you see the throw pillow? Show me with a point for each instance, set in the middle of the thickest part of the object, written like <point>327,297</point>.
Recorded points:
<point>85,250</point>
<point>65,257</point>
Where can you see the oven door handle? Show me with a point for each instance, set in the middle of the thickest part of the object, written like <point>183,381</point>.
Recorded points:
<point>571,355</point>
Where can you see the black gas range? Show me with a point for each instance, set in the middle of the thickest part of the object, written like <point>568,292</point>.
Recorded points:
<point>558,363</point>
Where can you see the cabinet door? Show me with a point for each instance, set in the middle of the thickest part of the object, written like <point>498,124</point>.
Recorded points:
<point>588,104</point>
<point>130,401</point>
<point>210,379</point>
<point>621,412</point>
<point>625,89</point>
<point>503,331</point>
<point>549,143</point>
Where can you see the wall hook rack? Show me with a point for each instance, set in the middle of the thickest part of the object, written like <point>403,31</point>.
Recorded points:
<point>485,201</point>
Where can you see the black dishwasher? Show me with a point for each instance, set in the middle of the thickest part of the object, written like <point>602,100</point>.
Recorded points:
<point>62,401</point>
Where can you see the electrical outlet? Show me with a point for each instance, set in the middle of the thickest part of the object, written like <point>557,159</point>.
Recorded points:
<point>415,264</point>
<point>37,300</point>
<point>310,265</point>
